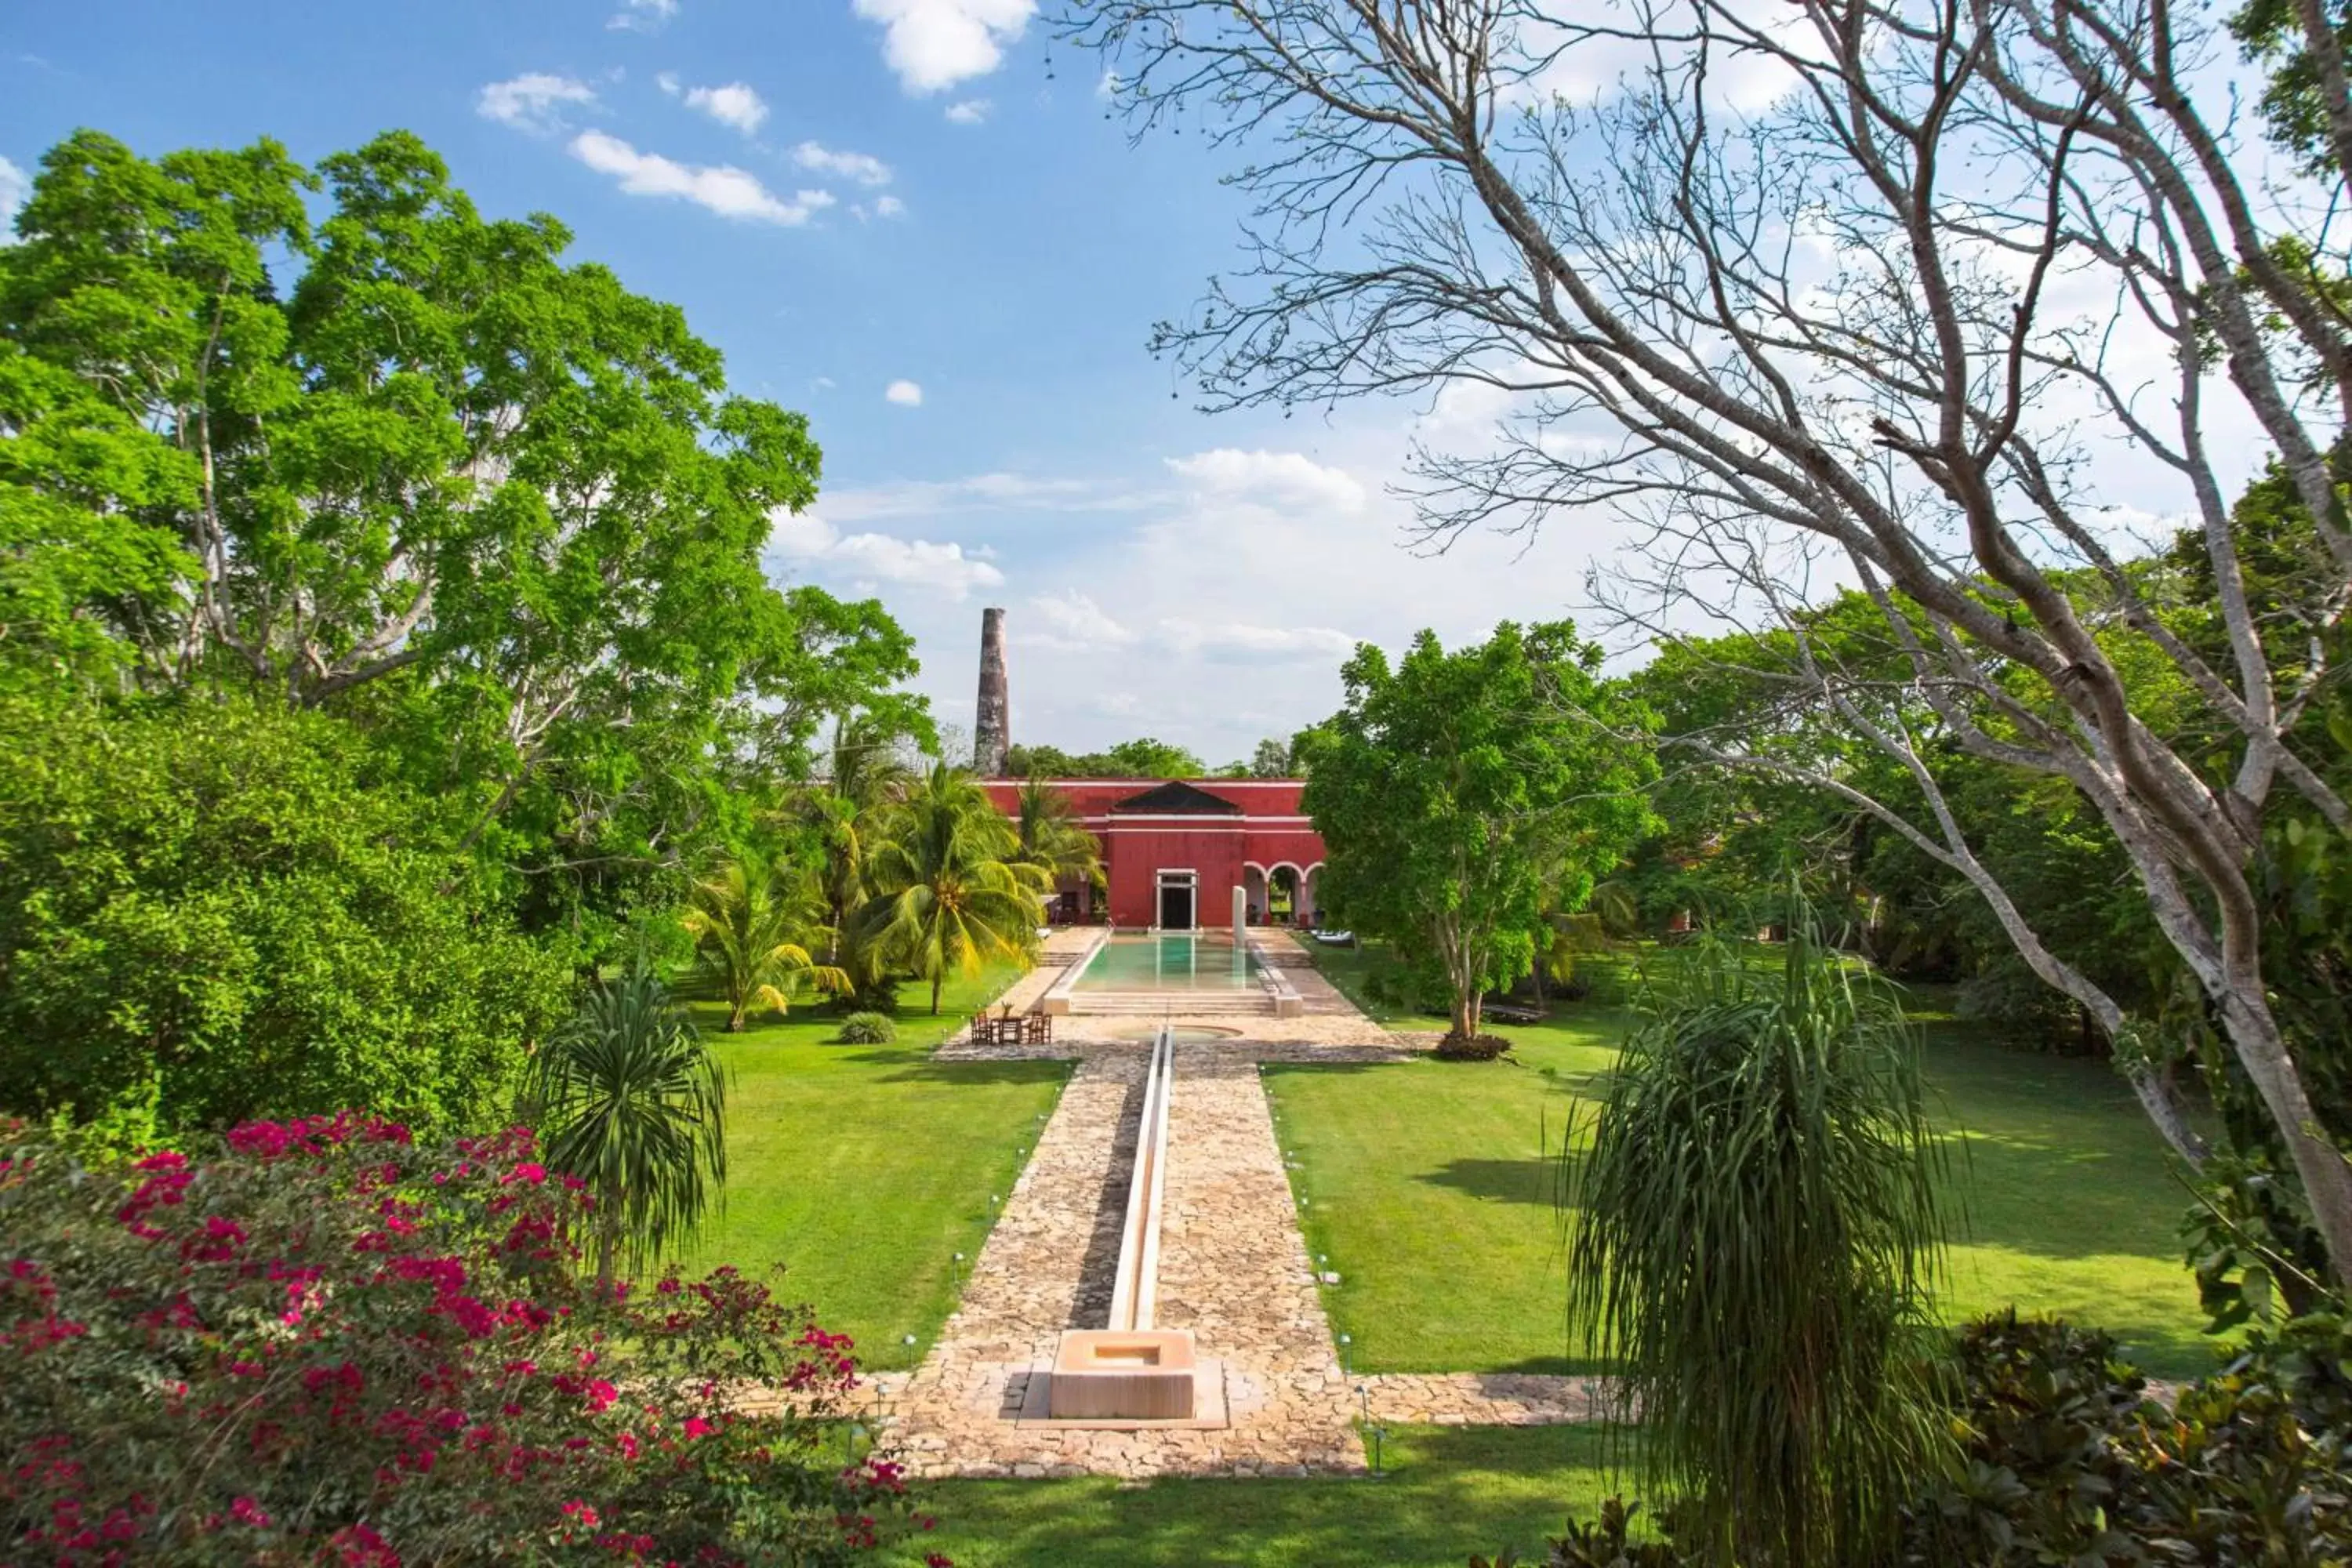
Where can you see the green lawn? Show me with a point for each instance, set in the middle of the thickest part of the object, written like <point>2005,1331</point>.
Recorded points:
<point>864,1169</point>
<point>1431,1188</point>
<point>1447,1491</point>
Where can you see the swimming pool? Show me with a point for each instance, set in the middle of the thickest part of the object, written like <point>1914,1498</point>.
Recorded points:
<point>1170,962</point>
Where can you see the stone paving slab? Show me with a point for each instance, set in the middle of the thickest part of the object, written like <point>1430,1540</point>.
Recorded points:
<point>1485,1399</point>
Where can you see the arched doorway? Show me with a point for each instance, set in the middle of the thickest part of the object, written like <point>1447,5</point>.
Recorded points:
<point>1253,892</point>
<point>1310,902</point>
<point>1282,895</point>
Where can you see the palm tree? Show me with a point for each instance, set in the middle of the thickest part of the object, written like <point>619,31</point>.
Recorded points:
<point>1047,826</point>
<point>864,778</point>
<point>1756,1229</point>
<point>950,890</point>
<point>751,923</point>
<point>629,1098</point>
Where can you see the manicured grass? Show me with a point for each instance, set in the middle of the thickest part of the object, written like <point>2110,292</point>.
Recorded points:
<point>1448,1491</point>
<point>864,1169</point>
<point>1431,1188</point>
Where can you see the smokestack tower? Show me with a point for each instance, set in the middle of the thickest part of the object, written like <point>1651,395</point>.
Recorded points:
<point>991,729</point>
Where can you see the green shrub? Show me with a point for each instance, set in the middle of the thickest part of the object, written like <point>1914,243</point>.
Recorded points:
<point>2066,1459</point>
<point>328,1343</point>
<point>211,911</point>
<point>866,1029</point>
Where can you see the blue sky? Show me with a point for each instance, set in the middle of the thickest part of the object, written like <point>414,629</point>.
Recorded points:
<point>846,195</point>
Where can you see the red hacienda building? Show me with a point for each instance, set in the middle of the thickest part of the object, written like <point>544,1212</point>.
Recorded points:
<point>1174,849</point>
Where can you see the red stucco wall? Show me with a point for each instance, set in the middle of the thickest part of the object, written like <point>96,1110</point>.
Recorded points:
<point>1220,848</point>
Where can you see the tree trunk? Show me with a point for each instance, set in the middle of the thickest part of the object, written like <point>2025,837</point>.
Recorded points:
<point>935,995</point>
<point>2326,1175</point>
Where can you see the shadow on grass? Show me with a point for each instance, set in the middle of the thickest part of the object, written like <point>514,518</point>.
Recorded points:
<point>1538,1181</point>
<point>916,1065</point>
<point>1444,1493</point>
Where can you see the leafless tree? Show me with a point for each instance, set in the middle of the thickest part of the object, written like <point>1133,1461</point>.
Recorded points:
<point>1894,281</point>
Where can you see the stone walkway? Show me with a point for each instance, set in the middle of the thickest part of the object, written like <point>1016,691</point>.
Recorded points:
<point>1484,1399</point>
<point>1234,1270</point>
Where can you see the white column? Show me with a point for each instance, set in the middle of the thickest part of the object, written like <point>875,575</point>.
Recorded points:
<point>1241,914</point>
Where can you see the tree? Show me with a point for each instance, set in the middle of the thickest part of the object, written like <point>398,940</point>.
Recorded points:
<point>865,776</point>
<point>753,921</point>
<point>630,1100</point>
<point>1754,1232</point>
<point>950,889</point>
<point>476,497</point>
<point>1456,791</point>
<point>216,909</point>
<point>1272,759</point>
<point>1866,315</point>
<point>1050,835</point>
<point>1143,759</point>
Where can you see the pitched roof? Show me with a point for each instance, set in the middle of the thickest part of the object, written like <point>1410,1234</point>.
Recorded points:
<point>1177,798</point>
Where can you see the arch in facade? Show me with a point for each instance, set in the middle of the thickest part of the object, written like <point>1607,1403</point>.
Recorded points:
<point>1253,889</point>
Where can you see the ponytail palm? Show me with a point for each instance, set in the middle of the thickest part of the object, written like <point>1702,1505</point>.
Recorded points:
<point>951,891</point>
<point>1757,1228</point>
<point>629,1100</point>
<point>752,922</point>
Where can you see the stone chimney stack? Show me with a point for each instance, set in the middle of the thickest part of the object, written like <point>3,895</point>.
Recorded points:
<point>991,729</point>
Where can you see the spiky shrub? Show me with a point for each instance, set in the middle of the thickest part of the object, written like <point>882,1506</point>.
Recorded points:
<point>867,1029</point>
<point>630,1099</point>
<point>1755,1226</point>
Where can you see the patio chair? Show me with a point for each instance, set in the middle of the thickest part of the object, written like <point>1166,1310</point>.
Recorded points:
<point>1037,1029</point>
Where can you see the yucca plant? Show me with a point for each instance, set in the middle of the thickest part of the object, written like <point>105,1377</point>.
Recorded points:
<point>629,1098</point>
<point>1756,1228</point>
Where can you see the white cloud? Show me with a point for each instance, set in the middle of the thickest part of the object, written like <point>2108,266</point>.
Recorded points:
<point>864,560</point>
<point>1073,622</point>
<point>722,188</point>
<point>735,104</point>
<point>1238,642</point>
<point>668,81</point>
<point>1273,478</point>
<point>934,44</point>
<point>990,493</point>
<point>889,206</point>
<point>15,186</point>
<point>862,167</point>
<point>905,394</point>
<point>532,101</point>
<point>1109,84</point>
<point>970,111</point>
<point>642,16</point>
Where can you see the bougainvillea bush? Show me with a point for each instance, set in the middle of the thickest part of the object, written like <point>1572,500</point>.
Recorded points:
<point>326,1343</point>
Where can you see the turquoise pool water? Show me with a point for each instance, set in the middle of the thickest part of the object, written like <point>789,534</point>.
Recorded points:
<point>1170,963</point>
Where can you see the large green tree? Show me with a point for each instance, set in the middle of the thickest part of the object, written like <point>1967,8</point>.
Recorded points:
<point>1461,794</point>
<point>216,909</point>
<point>336,435</point>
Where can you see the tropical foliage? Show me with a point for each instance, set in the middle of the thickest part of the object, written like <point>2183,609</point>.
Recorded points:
<point>217,907</point>
<point>1048,831</point>
<point>326,1342</point>
<point>632,1105</point>
<point>753,921</point>
<point>1461,794</point>
<point>1755,1227</point>
<point>950,889</point>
